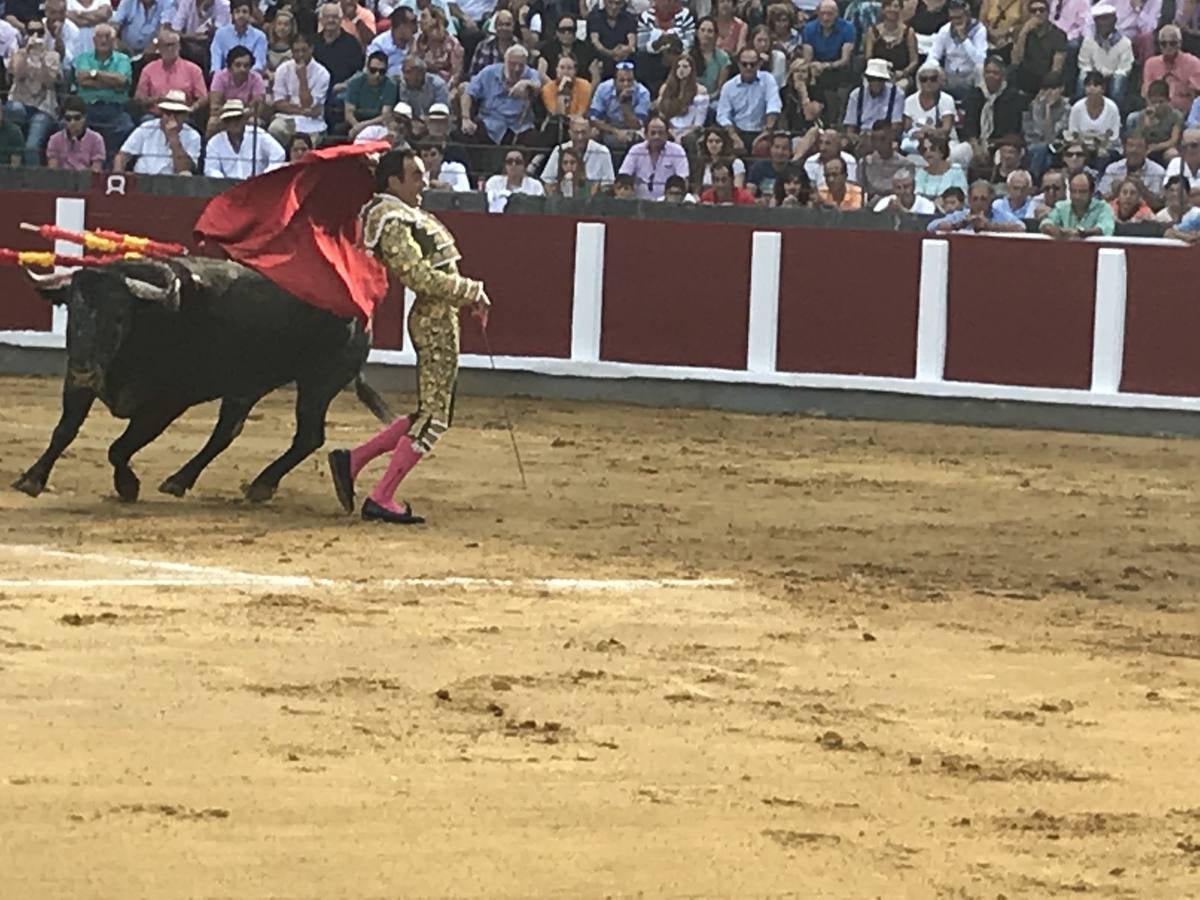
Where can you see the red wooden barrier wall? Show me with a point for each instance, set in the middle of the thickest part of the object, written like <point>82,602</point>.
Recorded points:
<point>848,302</point>
<point>1162,322</point>
<point>676,295</point>
<point>20,307</point>
<point>1021,312</point>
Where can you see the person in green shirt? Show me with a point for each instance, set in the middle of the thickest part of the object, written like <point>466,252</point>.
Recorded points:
<point>12,142</point>
<point>103,77</point>
<point>370,94</point>
<point>1084,215</point>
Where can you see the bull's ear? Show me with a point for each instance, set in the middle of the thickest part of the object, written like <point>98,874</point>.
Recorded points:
<point>54,287</point>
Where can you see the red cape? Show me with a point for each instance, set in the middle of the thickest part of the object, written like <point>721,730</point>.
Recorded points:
<point>298,225</point>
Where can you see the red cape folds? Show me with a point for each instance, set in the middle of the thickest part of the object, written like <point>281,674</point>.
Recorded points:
<point>298,225</point>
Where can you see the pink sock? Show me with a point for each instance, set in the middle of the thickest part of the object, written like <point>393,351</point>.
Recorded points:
<point>380,444</point>
<point>404,457</point>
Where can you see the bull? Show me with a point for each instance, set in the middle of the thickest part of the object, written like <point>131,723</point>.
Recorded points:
<point>152,338</point>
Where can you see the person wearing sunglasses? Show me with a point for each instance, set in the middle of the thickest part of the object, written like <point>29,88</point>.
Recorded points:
<point>515,179</point>
<point>370,95</point>
<point>1040,49</point>
<point>75,146</point>
<point>1054,188</point>
<point>32,98</point>
<point>749,104</point>
<point>1180,70</point>
<point>1187,163</point>
<point>931,113</point>
<point>619,108</point>
<point>565,42</point>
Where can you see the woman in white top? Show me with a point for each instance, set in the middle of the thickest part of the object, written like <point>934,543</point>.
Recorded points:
<point>87,14</point>
<point>1095,118</point>
<point>683,100</point>
<point>716,146</point>
<point>514,180</point>
<point>931,112</point>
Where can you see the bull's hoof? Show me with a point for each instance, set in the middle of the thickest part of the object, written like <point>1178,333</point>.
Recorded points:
<point>173,487</point>
<point>28,484</point>
<point>127,484</point>
<point>256,492</point>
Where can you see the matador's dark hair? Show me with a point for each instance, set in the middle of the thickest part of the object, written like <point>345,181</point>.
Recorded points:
<point>392,163</point>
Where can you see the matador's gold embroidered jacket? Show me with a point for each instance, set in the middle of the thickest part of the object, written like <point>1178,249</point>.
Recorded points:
<point>420,250</point>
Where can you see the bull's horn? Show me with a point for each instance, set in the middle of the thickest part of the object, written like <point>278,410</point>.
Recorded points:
<point>144,290</point>
<point>50,279</point>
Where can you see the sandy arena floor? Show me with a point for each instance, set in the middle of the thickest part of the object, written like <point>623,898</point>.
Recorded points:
<point>951,662</point>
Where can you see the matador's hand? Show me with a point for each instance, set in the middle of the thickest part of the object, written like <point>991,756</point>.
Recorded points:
<point>481,308</point>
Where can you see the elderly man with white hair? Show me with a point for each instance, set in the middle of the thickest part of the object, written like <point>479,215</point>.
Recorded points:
<point>1018,199</point>
<point>504,93</point>
<point>1180,70</point>
<point>904,197</point>
<point>1106,51</point>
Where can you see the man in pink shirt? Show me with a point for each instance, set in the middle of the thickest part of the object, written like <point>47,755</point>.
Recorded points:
<point>76,146</point>
<point>1181,71</point>
<point>170,73</point>
<point>357,21</point>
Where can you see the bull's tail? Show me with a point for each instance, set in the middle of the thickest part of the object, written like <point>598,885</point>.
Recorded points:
<point>371,399</point>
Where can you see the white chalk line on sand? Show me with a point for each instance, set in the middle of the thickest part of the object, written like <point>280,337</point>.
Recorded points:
<point>176,574</point>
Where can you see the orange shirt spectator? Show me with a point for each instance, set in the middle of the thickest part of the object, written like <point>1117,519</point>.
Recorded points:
<point>357,21</point>
<point>1181,71</point>
<point>723,190</point>
<point>837,192</point>
<point>576,104</point>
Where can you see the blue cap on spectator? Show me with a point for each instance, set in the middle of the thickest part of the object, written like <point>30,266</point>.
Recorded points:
<point>624,64</point>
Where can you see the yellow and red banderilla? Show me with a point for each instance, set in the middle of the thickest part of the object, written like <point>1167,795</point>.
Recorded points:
<point>48,259</point>
<point>110,242</point>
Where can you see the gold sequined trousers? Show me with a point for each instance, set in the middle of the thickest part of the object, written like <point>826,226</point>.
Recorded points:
<point>434,331</point>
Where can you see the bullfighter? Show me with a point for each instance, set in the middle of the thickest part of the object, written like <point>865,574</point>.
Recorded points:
<point>421,251</point>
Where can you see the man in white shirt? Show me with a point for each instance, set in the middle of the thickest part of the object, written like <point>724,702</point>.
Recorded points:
<point>163,146</point>
<point>960,48</point>
<point>829,145</point>
<point>298,94</point>
<point>597,159</point>
<point>1187,163</point>
<point>904,199</point>
<point>237,151</point>
<point>513,180</point>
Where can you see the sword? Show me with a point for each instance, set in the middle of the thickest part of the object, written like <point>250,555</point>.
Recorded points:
<point>504,408</point>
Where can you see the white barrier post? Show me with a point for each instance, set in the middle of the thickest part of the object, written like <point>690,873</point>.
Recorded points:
<point>932,310</point>
<point>69,213</point>
<point>766,250</point>
<point>1108,333</point>
<point>587,308</point>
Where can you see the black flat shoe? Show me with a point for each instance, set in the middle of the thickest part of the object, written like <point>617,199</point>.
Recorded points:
<point>339,468</point>
<point>373,512</point>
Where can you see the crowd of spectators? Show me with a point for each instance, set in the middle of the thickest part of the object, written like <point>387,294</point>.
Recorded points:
<point>984,114</point>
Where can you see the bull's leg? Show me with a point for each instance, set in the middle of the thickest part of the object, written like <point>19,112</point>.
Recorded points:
<point>145,426</point>
<point>312,403</point>
<point>76,403</point>
<point>230,420</point>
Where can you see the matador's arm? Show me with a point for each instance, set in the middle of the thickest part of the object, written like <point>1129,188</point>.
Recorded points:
<point>401,253</point>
